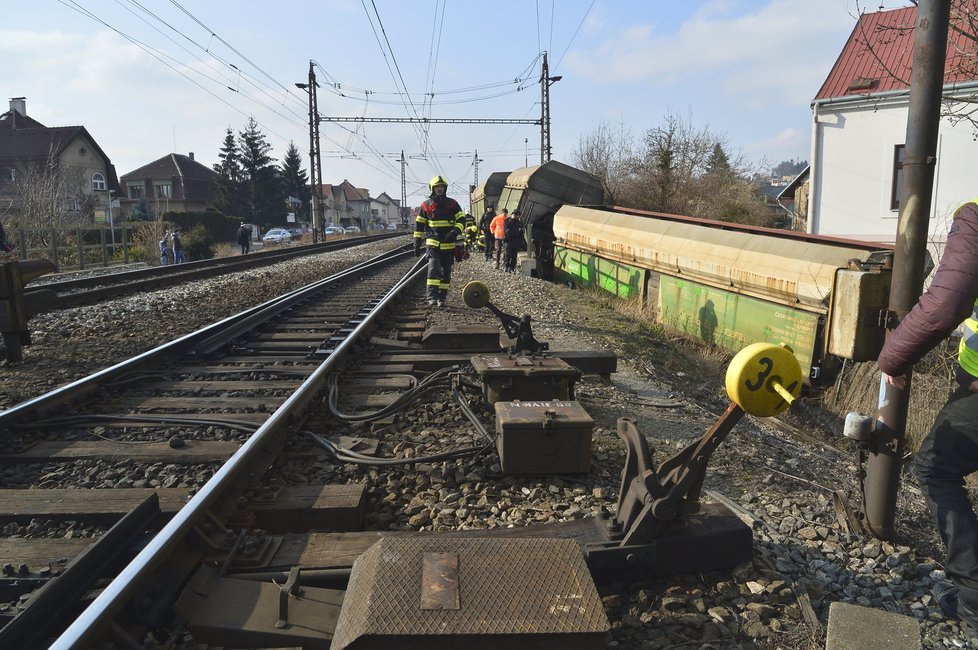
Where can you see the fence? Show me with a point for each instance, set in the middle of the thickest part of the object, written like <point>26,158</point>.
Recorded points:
<point>73,248</point>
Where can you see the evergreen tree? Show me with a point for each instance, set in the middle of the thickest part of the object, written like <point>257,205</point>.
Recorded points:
<point>718,166</point>
<point>142,211</point>
<point>263,195</point>
<point>294,178</point>
<point>227,185</point>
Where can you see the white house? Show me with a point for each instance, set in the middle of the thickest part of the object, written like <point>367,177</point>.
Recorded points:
<point>859,125</point>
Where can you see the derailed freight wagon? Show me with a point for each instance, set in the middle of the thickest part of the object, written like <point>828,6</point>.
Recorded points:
<point>733,285</point>
<point>538,192</point>
<point>488,193</point>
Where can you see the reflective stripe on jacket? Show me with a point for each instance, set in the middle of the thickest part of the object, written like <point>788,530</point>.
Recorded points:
<point>439,223</point>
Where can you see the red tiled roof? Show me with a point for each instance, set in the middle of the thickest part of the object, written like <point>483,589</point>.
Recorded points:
<point>879,53</point>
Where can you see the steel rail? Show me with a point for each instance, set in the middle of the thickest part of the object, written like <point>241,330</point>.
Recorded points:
<point>226,328</point>
<point>113,598</point>
<point>92,289</point>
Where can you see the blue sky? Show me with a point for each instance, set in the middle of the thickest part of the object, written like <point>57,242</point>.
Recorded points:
<point>748,69</point>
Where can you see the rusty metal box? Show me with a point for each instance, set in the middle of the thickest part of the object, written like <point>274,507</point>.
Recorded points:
<point>507,378</point>
<point>546,437</point>
<point>858,298</point>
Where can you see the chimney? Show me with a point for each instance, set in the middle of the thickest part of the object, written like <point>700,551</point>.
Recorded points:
<point>19,104</point>
<point>191,155</point>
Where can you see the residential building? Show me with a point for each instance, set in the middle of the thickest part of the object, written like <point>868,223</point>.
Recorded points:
<point>173,183</point>
<point>385,210</point>
<point>80,173</point>
<point>859,125</point>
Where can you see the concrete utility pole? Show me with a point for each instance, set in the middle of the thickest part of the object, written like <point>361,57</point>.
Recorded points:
<point>923,121</point>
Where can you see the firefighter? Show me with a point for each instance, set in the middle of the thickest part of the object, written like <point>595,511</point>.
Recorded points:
<point>470,231</point>
<point>439,229</point>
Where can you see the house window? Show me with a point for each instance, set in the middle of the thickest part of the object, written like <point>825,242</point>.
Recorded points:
<point>73,204</point>
<point>163,190</point>
<point>98,182</point>
<point>897,189</point>
<point>137,191</point>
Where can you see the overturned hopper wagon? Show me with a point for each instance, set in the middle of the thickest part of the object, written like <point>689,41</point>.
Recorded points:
<point>732,285</point>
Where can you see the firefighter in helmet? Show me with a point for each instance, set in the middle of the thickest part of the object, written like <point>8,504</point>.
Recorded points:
<point>438,229</point>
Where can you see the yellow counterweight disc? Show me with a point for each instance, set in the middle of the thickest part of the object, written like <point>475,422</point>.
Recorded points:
<point>763,379</point>
<point>475,294</point>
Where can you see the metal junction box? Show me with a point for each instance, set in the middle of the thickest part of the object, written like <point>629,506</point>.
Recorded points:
<point>508,378</point>
<point>537,438</point>
<point>858,300</point>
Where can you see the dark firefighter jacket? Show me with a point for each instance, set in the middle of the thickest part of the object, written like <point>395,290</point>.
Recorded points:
<point>439,223</point>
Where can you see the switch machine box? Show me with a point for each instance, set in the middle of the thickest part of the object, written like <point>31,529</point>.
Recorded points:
<point>545,437</point>
<point>522,377</point>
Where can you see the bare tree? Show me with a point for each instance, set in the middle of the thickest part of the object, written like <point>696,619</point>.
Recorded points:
<point>962,55</point>
<point>608,153</point>
<point>50,195</point>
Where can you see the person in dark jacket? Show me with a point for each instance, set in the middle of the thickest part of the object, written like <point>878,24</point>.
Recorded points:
<point>438,228</point>
<point>513,238</point>
<point>485,228</point>
<point>177,247</point>
<point>950,450</point>
<point>244,238</point>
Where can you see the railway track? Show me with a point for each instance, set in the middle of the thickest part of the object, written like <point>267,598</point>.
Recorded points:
<point>92,289</point>
<point>218,401</point>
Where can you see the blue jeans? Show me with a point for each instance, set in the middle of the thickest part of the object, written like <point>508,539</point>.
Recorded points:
<point>947,455</point>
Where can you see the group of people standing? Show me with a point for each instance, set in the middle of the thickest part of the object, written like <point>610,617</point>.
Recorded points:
<point>172,252</point>
<point>445,232</point>
<point>503,234</point>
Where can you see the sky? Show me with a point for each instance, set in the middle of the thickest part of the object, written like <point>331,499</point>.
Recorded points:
<point>151,77</point>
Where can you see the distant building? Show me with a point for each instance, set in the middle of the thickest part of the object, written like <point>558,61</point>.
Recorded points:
<point>859,125</point>
<point>173,183</point>
<point>385,210</point>
<point>87,176</point>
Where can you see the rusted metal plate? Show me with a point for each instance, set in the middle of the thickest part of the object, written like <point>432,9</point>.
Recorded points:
<point>461,337</point>
<point>526,593</point>
<point>243,613</point>
<point>439,581</point>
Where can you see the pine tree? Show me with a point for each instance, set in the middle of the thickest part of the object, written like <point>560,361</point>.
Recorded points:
<point>263,195</point>
<point>718,166</point>
<point>227,185</point>
<point>294,178</point>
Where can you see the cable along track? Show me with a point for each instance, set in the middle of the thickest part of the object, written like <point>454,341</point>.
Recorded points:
<point>200,414</point>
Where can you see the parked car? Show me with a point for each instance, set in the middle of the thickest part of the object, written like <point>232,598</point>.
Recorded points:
<point>333,230</point>
<point>352,230</point>
<point>392,226</point>
<point>276,236</point>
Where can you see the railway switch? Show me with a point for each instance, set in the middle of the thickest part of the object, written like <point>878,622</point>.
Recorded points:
<point>18,305</point>
<point>659,519</point>
<point>540,438</point>
<point>475,294</point>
